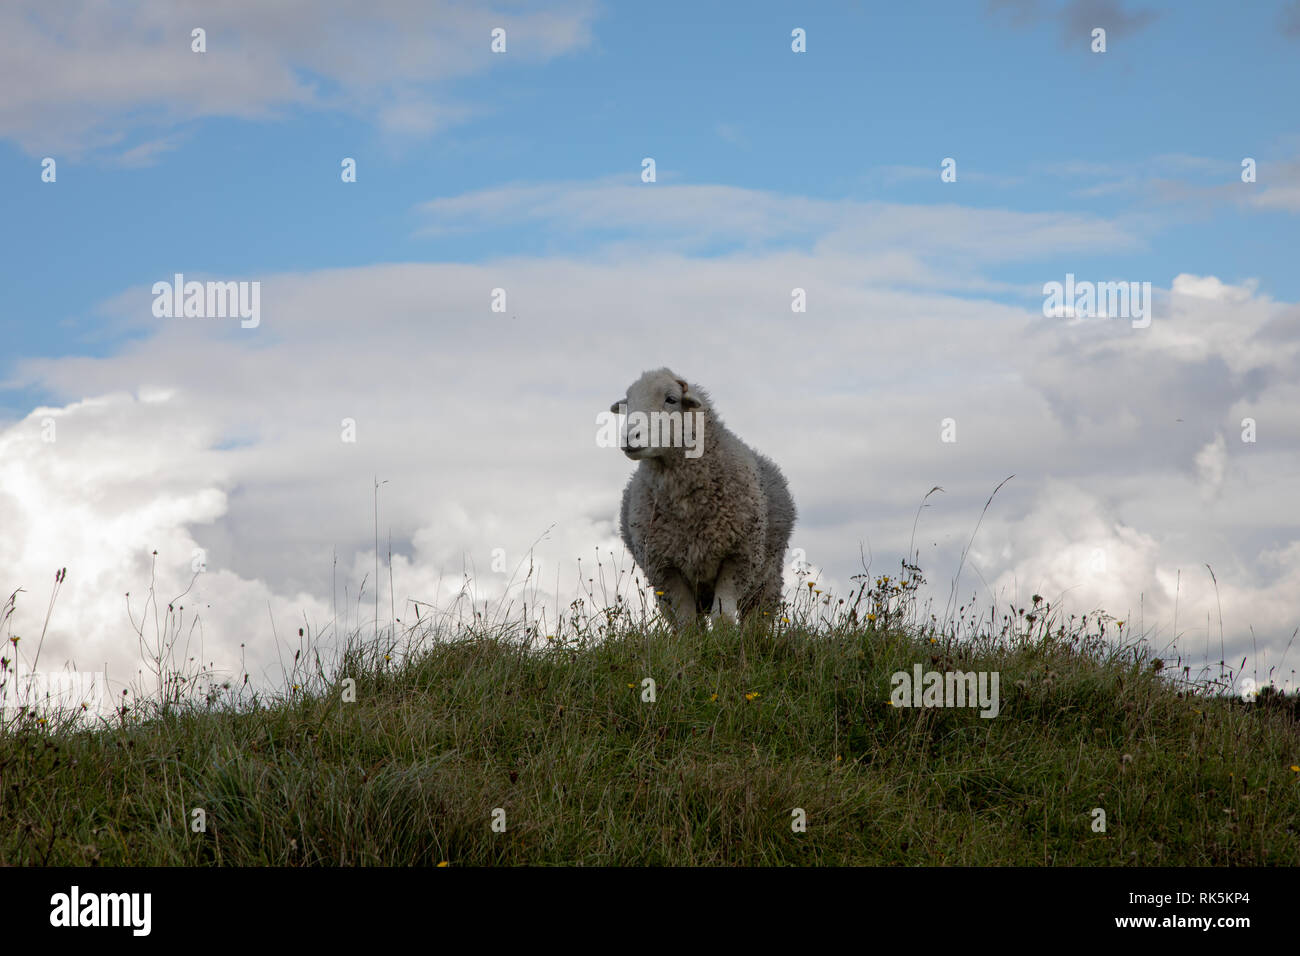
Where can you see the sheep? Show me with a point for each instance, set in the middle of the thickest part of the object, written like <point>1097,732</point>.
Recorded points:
<point>706,517</point>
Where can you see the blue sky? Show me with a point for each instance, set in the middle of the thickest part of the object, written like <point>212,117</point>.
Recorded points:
<point>775,170</point>
<point>716,96</point>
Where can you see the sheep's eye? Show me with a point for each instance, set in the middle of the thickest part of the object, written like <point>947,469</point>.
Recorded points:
<point>670,400</point>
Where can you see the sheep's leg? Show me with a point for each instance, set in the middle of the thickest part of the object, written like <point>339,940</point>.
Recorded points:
<point>726,593</point>
<point>680,598</point>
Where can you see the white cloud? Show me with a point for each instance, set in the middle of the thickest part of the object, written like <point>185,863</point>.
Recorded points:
<point>1212,466</point>
<point>937,245</point>
<point>1078,552</point>
<point>1208,287</point>
<point>148,153</point>
<point>77,74</point>
<point>1285,197</point>
<point>1070,549</point>
<point>483,424</point>
<point>1195,182</point>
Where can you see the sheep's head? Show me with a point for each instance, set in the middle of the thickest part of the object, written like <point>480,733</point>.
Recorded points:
<point>662,417</point>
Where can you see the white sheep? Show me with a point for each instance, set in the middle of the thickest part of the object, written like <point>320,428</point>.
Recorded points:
<point>706,517</point>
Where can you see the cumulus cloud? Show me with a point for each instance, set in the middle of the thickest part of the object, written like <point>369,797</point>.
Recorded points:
<point>1070,548</point>
<point>100,486</point>
<point>483,425</point>
<point>1082,553</point>
<point>1212,466</point>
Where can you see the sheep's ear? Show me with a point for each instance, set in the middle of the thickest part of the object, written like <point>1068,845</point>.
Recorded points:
<point>621,403</point>
<point>688,400</point>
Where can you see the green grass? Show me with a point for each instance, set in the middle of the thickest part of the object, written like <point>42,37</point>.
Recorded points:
<point>588,773</point>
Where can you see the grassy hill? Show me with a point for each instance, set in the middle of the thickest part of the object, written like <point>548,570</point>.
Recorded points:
<point>746,726</point>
